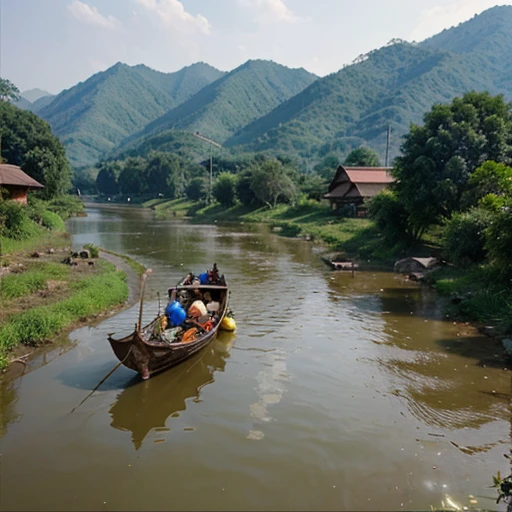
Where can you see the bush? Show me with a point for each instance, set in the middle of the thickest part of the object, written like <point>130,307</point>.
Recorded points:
<point>95,252</point>
<point>390,217</point>
<point>14,220</point>
<point>224,189</point>
<point>52,221</point>
<point>465,237</point>
<point>499,239</point>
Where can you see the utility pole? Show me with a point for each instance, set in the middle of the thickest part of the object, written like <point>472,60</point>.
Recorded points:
<point>211,160</point>
<point>387,145</point>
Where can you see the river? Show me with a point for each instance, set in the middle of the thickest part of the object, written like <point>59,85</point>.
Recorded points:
<point>335,392</point>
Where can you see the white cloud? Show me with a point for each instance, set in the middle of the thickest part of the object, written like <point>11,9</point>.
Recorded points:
<point>91,15</point>
<point>173,15</point>
<point>270,10</point>
<point>436,19</point>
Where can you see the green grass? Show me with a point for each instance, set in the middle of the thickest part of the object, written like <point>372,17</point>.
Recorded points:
<point>40,238</point>
<point>18,285</point>
<point>139,268</point>
<point>90,297</point>
<point>481,294</point>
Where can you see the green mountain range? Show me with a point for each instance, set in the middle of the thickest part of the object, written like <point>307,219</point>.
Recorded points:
<point>262,106</point>
<point>393,86</point>
<point>227,105</point>
<point>94,116</point>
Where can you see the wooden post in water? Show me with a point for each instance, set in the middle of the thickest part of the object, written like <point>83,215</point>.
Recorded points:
<point>353,269</point>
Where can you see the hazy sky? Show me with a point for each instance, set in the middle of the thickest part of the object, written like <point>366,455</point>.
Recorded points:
<point>53,44</point>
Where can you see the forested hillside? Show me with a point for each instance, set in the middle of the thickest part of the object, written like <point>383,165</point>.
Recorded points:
<point>393,86</point>
<point>95,115</point>
<point>238,98</point>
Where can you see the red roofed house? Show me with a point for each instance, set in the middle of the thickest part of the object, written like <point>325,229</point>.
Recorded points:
<point>353,185</point>
<point>16,182</point>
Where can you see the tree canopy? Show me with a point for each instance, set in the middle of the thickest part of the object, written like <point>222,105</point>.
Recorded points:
<point>8,91</point>
<point>439,157</point>
<point>363,157</point>
<point>27,141</point>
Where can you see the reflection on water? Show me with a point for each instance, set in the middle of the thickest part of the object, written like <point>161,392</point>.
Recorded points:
<point>270,390</point>
<point>8,399</point>
<point>360,395</point>
<point>147,405</point>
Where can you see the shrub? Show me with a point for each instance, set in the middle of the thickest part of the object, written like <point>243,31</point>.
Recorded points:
<point>465,236</point>
<point>95,252</point>
<point>224,189</point>
<point>14,221</point>
<point>52,221</point>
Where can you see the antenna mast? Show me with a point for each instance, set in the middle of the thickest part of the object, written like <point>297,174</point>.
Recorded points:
<point>387,145</point>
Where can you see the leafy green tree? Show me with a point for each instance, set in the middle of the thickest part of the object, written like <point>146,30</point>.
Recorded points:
<point>106,181</point>
<point>271,183</point>
<point>162,168</point>
<point>313,186</point>
<point>439,157</point>
<point>27,141</point>
<point>8,91</point>
<point>44,166</point>
<point>390,217</point>
<point>224,189</point>
<point>133,177</point>
<point>244,190</point>
<point>489,178</point>
<point>328,166</point>
<point>465,236</point>
<point>362,157</point>
<point>197,189</point>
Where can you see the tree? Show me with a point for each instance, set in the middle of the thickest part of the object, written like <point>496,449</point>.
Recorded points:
<point>270,183</point>
<point>106,181</point>
<point>27,141</point>
<point>164,170</point>
<point>313,186</point>
<point>224,189</point>
<point>197,189</point>
<point>362,157</point>
<point>489,178</point>
<point>8,91</point>
<point>328,166</point>
<point>439,157</point>
<point>244,190</point>
<point>133,177</point>
<point>390,217</point>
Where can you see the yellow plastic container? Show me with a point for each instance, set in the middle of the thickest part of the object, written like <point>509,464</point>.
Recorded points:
<point>228,324</point>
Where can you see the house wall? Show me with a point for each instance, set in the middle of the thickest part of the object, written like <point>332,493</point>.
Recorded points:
<point>18,194</point>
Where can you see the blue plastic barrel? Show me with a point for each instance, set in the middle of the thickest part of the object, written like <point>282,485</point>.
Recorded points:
<point>175,313</point>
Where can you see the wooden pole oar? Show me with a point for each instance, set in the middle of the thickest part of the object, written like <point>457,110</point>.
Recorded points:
<point>144,280</point>
<point>103,380</point>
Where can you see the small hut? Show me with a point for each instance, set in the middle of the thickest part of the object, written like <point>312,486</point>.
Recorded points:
<point>16,182</point>
<point>351,186</point>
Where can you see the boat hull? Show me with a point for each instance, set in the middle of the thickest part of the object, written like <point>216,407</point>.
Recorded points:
<point>147,356</point>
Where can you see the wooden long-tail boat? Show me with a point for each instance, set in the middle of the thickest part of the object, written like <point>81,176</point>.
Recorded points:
<point>153,348</point>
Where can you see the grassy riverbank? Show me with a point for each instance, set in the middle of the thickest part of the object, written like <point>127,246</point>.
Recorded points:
<point>40,295</point>
<point>351,238</point>
<point>479,294</point>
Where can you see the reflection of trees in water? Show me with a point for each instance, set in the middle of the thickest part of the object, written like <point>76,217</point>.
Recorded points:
<point>147,405</point>
<point>8,400</point>
<point>449,376</point>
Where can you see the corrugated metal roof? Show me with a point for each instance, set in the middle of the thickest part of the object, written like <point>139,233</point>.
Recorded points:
<point>369,174</point>
<point>13,175</point>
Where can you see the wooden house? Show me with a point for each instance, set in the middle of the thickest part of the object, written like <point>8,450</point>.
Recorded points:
<point>16,182</point>
<point>351,186</point>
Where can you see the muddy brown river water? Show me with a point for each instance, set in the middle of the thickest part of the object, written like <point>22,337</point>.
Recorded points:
<point>334,393</point>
